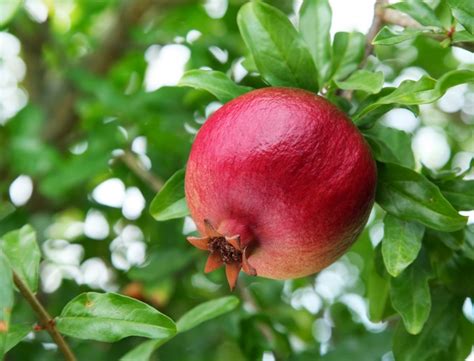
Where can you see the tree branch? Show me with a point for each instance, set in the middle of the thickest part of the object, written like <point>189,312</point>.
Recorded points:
<point>134,164</point>
<point>44,318</point>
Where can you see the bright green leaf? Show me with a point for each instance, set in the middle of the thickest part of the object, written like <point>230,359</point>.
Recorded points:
<point>170,202</point>
<point>348,51</point>
<point>437,334</point>
<point>315,26</point>
<point>410,196</point>
<point>410,295</point>
<point>363,80</point>
<point>144,351</point>
<point>401,243</point>
<point>214,82</point>
<point>23,253</point>
<point>109,317</point>
<point>418,10</point>
<point>6,302</point>
<point>460,193</point>
<point>463,11</point>
<point>16,334</point>
<point>387,36</point>
<point>7,10</point>
<point>390,145</point>
<point>279,52</point>
<point>206,311</point>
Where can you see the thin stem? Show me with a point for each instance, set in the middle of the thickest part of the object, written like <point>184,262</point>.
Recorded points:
<point>134,164</point>
<point>44,318</point>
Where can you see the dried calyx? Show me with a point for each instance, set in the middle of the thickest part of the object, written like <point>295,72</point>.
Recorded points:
<point>223,251</point>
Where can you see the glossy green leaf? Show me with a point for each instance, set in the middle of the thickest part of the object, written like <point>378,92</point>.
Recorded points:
<point>215,82</point>
<point>8,9</point>
<point>410,295</point>
<point>463,36</point>
<point>364,80</point>
<point>279,52</point>
<point>170,202</point>
<point>16,334</point>
<point>206,311</point>
<point>463,11</point>
<point>423,91</point>
<point>109,317</point>
<point>315,26</point>
<point>388,36</point>
<point>23,253</point>
<point>410,196</point>
<point>437,334</point>
<point>390,145</point>
<point>401,243</point>
<point>144,351</point>
<point>348,51</point>
<point>459,192</point>
<point>6,301</point>
<point>418,10</point>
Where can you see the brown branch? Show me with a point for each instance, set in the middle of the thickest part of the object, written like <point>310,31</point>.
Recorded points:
<point>134,164</point>
<point>46,321</point>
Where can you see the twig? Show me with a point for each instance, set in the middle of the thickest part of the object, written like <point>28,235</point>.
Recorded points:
<point>45,319</point>
<point>134,164</point>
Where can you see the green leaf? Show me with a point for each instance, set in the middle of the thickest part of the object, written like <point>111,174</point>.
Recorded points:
<point>280,54</point>
<point>463,11</point>
<point>144,351</point>
<point>170,202</point>
<point>348,51</point>
<point>378,287</point>
<point>6,302</point>
<point>363,80</point>
<point>460,193</point>
<point>418,10</point>
<point>24,255</point>
<point>410,196</point>
<point>206,311</point>
<point>16,334</point>
<point>387,36</point>
<point>7,10</point>
<point>424,91</point>
<point>390,145</point>
<point>214,82</point>
<point>463,37</point>
<point>110,317</point>
<point>410,295</point>
<point>437,335</point>
<point>401,243</point>
<point>315,26</point>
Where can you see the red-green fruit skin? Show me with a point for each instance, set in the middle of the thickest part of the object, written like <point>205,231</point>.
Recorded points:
<point>289,172</point>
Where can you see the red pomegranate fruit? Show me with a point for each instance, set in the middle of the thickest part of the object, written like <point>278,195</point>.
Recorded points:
<point>280,183</point>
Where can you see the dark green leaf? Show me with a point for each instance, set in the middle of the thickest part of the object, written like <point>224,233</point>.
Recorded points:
<point>109,317</point>
<point>315,25</point>
<point>170,202</point>
<point>459,192</point>
<point>279,52</point>
<point>387,36</point>
<point>348,51</point>
<point>144,351</point>
<point>401,243</point>
<point>214,82</point>
<point>6,302</point>
<point>23,253</point>
<point>206,311</point>
<point>410,196</point>
<point>437,335</point>
<point>390,145</point>
<point>363,80</point>
<point>463,11</point>
<point>16,334</point>
<point>419,11</point>
<point>410,295</point>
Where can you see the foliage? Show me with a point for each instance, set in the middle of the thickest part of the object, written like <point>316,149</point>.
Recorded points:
<point>84,131</point>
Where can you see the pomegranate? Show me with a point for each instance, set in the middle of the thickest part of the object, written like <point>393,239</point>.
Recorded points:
<point>280,183</point>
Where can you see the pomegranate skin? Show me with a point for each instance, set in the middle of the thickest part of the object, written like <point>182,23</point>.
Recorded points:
<point>288,172</point>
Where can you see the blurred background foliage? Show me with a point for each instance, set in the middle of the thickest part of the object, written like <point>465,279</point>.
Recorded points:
<point>89,108</point>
